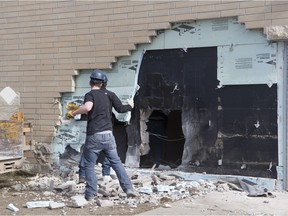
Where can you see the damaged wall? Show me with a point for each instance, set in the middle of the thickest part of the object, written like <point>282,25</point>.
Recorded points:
<point>187,70</point>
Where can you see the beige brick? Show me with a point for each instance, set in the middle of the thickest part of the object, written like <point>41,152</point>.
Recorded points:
<point>124,34</point>
<point>213,2</point>
<point>137,3</point>
<point>138,14</point>
<point>268,16</point>
<point>279,15</point>
<point>254,17</point>
<point>31,106</point>
<point>180,4</point>
<point>170,18</point>
<point>28,113</point>
<point>146,7</point>
<point>44,68</point>
<point>144,33</point>
<point>30,70</point>
<point>123,22</point>
<point>105,59</point>
<point>258,10</point>
<point>129,46</point>
<point>248,4</point>
<point>66,88</point>
<point>227,6</point>
<point>118,40</point>
<point>123,10</point>
<point>31,62</point>
<point>281,7</point>
<point>204,9</point>
<point>119,28</point>
<point>208,15</point>
<point>77,43</point>
<point>230,13</point>
<point>185,17</point>
<point>48,61</point>
<point>117,4</point>
<point>61,44</point>
<point>104,47</point>
<point>281,2</point>
<point>143,20</point>
<point>10,68</point>
<point>257,24</point>
<point>158,13</point>
<point>49,50</point>
<point>46,122</point>
<point>279,22</point>
<point>177,11</point>
<point>25,100</point>
<point>100,65</point>
<point>140,40</point>
<point>119,53</point>
<point>27,57</point>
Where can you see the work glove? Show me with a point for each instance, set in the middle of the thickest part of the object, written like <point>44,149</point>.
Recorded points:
<point>130,101</point>
<point>72,106</point>
<point>69,114</point>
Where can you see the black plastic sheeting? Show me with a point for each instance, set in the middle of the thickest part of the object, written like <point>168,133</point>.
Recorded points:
<point>234,124</point>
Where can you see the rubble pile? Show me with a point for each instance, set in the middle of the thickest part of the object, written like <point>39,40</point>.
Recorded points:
<point>60,188</point>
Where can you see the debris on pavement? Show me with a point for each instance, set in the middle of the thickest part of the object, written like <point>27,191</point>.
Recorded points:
<point>60,188</point>
<point>12,207</point>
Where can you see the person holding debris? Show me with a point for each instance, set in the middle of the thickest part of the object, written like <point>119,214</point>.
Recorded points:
<point>105,162</point>
<point>98,105</point>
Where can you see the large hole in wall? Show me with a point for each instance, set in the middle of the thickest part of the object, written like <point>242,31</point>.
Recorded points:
<point>229,130</point>
<point>166,139</point>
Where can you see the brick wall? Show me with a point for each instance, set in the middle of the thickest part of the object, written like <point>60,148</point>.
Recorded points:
<point>43,43</point>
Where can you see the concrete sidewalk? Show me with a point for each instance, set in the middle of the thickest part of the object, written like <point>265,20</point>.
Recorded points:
<point>227,203</point>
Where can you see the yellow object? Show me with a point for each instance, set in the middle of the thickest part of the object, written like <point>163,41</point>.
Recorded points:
<point>69,114</point>
<point>17,116</point>
<point>72,106</point>
<point>11,130</point>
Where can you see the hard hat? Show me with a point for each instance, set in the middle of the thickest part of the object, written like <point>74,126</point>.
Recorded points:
<point>105,79</point>
<point>97,74</point>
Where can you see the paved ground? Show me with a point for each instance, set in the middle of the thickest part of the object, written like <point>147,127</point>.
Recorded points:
<point>227,203</point>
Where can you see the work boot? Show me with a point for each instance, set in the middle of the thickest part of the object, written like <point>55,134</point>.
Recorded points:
<point>104,193</point>
<point>81,179</point>
<point>131,193</point>
<point>90,199</point>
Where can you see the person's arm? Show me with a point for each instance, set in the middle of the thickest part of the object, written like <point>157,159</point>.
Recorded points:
<point>83,109</point>
<point>117,104</point>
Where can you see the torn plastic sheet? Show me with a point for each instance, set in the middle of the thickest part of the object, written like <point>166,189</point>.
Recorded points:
<point>9,103</point>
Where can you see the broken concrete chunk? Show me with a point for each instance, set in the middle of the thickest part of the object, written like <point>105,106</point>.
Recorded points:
<point>78,201</point>
<point>104,203</point>
<point>145,190</point>
<point>163,167</point>
<point>71,185</point>
<point>156,179</point>
<point>166,205</point>
<point>163,188</point>
<point>55,205</point>
<point>38,204</point>
<point>48,193</point>
<point>12,207</point>
<point>165,177</point>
